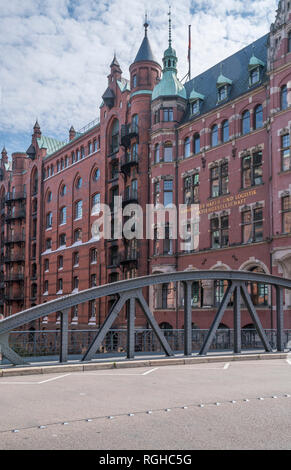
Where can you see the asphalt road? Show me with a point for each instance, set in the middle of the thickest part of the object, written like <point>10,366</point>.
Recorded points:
<point>245,405</point>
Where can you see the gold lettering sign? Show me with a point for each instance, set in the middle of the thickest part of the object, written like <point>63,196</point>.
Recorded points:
<point>226,202</point>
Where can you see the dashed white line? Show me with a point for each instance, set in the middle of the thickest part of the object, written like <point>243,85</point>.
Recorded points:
<point>54,378</point>
<point>226,366</point>
<point>150,371</point>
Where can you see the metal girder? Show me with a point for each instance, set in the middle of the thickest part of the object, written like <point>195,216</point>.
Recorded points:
<point>64,336</point>
<point>187,318</point>
<point>214,327</point>
<point>95,345</point>
<point>152,321</point>
<point>7,352</point>
<point>280,319</point>
<point>255,318</point>
<point>130,328</point>
<point>237,319</point>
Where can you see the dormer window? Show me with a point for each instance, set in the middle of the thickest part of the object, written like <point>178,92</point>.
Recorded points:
<point>222,93</point>
<point>223,85</point>
<point>195,107</point>
<point>255,70</point>
<point>254,76</point>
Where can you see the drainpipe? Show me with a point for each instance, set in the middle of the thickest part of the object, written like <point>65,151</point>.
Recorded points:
<point>177,205</point>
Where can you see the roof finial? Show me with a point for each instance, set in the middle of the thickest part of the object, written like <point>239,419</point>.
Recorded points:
<point>146,24</point>
<point>170,27</point>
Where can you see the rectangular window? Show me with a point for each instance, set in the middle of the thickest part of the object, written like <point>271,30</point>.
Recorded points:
<point>168,114</point>
<point>191,189</point>
<point>219,180</point>
<point>168,192</point>
<point>168,242</point>
<point>252,170</point>
<point>286,214</point>
<point>252,225</point>
<point>289,42</point>
<point>285,152</point>
<point>156,192</point>
<point>219,228</point>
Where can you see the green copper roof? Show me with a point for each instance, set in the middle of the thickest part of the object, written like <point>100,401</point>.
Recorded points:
<point>169,86</point>
<point>123,84</point>
<point>222,80</point>
<point>194,95</point>
<point>52,145</point>
<point>255,62</point>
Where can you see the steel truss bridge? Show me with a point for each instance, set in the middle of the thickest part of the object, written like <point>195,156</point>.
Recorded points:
<point>131,291</point>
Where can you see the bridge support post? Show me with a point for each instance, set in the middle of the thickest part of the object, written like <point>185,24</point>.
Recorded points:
<point>237,320</point>
<point>280,319</point>
<point>130,328</point>
<point>255,318</point>
<point>64,335</point>
<point>214,327</point>
<point>187,319</point>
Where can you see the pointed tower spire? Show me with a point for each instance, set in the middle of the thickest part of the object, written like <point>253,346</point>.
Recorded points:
<point>145,52</point>
<point>36,129</point>
<point>170,26</point>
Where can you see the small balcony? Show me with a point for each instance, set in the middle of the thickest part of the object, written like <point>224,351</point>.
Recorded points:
<point>14,258</point>
<point>129,257</point>
<point>128,132</point>
<point>130,197</point>
<point>10,239</point>
<point>14,277</point>
<point>127,162</point>
<point>17,296</point>
<point>10,197</point>
<point>17,214</point>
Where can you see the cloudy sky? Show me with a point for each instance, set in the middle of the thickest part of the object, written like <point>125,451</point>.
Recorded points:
<point>55,54</point>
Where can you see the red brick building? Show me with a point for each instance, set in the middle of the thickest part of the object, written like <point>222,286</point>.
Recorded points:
<point>221,140</point>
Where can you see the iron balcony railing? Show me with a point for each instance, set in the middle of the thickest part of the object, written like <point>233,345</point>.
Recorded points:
<point>12,258</point>
<point>130,197</point>
<point>14,239</point>
<point>128,257</point>
<point>11,277</point>
<point>14,296</point>
<point>15,196</point>
<point>17,214</point>
<point>128,160</point>
<point>128,132</point>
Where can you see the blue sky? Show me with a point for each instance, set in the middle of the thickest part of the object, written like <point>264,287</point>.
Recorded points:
<point>55,54</point>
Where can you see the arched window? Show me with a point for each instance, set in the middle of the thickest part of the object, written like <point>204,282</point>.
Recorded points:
<point>196,143</point>
<point>246,123</point>
<point>284,94</point>
<point>96,174</point>
<point>214,135</point>
<point>258,117</point>
<point>79,183</point>
<point>187,148</point>
<point>115,137</point>
<point>157,153</point>
<point>225,131</point>
<point>63,190</point>
<point>63,215</point>
<point>168,152</point>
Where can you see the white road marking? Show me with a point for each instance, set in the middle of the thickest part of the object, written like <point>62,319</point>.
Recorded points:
<point>289,361</point>
<point>54,378</point>
<point>226,366</point>
<point>150,371</point>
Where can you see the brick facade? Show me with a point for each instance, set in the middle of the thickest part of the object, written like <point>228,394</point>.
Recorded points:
<point>240,177</point>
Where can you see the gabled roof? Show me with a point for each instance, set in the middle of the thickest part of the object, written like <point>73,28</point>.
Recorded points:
<point>145,52</point>
<point>124,85</point>
<point>236,68</point>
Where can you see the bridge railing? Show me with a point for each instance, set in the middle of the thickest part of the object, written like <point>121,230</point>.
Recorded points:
<point>130,292</point>
<point>42,343</point>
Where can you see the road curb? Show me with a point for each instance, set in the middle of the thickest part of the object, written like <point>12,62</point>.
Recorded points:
<point>54,369</point>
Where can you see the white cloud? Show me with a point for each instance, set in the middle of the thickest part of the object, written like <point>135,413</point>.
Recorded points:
<point>55,54</point>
